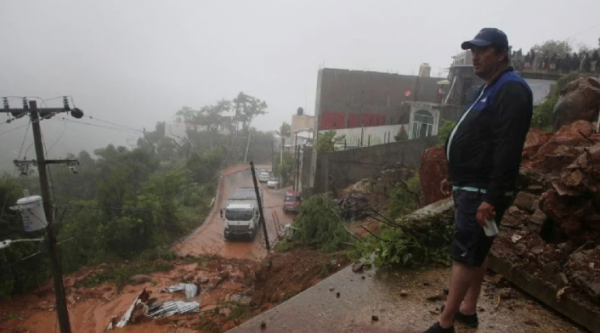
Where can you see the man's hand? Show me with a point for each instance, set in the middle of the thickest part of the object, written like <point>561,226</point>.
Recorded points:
<point>485,213</point>
<point>445,187</point>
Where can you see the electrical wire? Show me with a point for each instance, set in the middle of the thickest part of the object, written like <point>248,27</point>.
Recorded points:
<point>584,30</point>
<point>115,124</point>
<point>94,125</point>
<point>14,129</point>
<point>106,121</point>
<point>57,140</point>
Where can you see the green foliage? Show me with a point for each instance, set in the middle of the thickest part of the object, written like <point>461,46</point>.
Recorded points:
<point>405,197</point>
<point>320,224</point>
<point>120,273</point>
<point>444,132</point>
<point>18,273</point>
<point>550,47</point>
<point>412,243</point>
<point>542,115</point>
<point>327,141</point>
<point>401,136</point>
<point>284,170</point>
<point>562,82</point>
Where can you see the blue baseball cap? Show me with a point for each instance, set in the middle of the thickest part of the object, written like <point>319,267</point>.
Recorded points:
<point>487,37</point>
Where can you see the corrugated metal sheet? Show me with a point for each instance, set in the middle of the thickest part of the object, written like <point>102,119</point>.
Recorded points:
<point>191,290</point>
<point>172,308</point>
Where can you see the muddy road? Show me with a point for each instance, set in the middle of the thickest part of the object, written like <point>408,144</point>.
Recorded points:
<point>208,239</point>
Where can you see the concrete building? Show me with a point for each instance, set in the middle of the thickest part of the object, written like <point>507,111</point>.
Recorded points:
<point>355,99</point>
<point>304,126</point>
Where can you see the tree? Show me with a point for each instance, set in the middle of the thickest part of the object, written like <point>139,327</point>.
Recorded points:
<point>247,108</point>
<point>550,47</point>
<point>209,118</point>
<point>326,141</point>
<point>285,130</point>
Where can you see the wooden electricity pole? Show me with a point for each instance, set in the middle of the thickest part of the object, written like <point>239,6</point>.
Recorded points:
<point>59,288</point>
<point>260,207</point>
<point>41,162</point>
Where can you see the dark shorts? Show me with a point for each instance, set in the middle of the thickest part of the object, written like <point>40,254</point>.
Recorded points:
<point>471,246</point>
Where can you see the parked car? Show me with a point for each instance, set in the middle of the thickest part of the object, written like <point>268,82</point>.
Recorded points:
<point>273,183</point>
<point>292,202</point>
<point>263,177</point>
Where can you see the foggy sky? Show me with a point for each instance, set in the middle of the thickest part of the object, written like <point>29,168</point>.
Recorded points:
<point>138,62</point>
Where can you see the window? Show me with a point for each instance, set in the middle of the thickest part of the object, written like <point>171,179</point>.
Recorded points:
<point>422,125</point>
<point>238,215</point>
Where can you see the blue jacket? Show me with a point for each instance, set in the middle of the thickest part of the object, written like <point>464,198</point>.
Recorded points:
<point>485,146</point>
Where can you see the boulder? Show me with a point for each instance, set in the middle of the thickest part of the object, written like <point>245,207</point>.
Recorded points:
<point>580,100</point>
<point>433,170</point>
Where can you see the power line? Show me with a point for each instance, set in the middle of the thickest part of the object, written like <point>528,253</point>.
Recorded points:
<point>115,124</point>
<point>24,138</point>
<point>57,140</point>
<point>14,129</point>
<point>584,30</point>
<point>95,125</point>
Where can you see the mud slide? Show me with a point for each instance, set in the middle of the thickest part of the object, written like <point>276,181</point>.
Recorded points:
<point>208,239</point>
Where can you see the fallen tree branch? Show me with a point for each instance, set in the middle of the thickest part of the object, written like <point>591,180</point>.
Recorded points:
<point>372,234</point>
<point>385,218</point>
<point>351,233</point>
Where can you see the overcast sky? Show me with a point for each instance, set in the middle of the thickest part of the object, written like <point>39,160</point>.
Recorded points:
<point>138,62</point>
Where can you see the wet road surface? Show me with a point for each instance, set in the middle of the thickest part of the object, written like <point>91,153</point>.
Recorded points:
<point>208,239</point>
<point>318,309</point>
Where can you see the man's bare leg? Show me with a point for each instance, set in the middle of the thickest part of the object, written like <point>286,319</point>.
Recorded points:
<point>469,306</point>
<point>462,277</point>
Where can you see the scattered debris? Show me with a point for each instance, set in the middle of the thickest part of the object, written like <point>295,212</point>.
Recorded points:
<point>516,237</point>
<point>374,318</point>
<point>403,293</point>
<point>561,292</point>
<point>139,279</point>
<point>496,279</point>
<point>138,303</point>
<point>356,268</point>
<point>434,298</point>
<point>337,295</point>
<point>263,326</point>
<point>191,290</point>
<point>331,289</point>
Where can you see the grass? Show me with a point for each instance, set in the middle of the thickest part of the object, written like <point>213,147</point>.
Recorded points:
<point>120,273</point>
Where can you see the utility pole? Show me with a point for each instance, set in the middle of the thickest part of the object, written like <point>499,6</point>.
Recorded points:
<point>298,171</point>
<point>248,144</point>
<point>260,207</point>
<point>295,171</point>
<point>41,162</point>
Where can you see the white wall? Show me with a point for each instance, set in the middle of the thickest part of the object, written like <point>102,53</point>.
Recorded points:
<point>379,135</point>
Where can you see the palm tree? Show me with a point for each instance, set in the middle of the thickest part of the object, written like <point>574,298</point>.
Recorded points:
<point>285,130</point>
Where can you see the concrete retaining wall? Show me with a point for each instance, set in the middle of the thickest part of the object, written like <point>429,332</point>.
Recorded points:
<point>337,170</point>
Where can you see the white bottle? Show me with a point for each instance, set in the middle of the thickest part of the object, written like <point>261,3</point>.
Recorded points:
<point>492,229</point>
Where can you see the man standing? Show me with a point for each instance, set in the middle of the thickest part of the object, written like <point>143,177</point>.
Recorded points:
<point>484,153</point>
